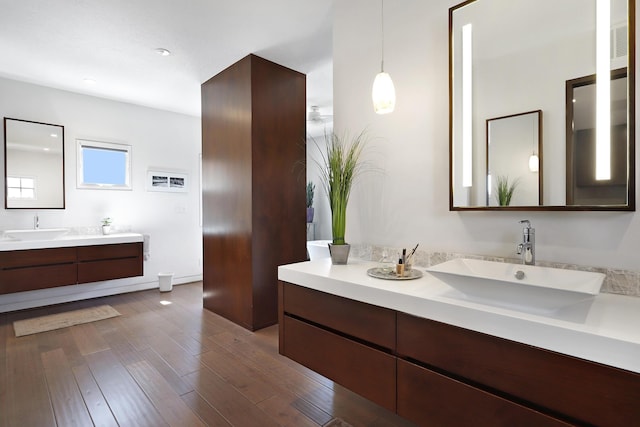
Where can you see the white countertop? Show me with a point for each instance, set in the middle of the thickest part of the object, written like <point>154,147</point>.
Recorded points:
<point>70,240</point>
<point>607,330</point>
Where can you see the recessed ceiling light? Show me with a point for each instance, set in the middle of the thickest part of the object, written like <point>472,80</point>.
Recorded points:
<point>163,52</point>
<point>46,149</point>
<point>89,81</point>
<point>54,135</point>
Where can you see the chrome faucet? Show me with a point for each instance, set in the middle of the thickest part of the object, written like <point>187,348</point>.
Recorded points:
<point>527,249</point>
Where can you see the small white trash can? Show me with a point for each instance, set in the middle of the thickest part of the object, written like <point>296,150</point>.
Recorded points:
<point>166,281</point>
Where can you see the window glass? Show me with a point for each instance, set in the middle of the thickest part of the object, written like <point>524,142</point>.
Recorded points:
<point>21,188</point>
<point>104,165</point>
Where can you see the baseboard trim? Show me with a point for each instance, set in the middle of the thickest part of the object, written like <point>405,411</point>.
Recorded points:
<point>59,295</point>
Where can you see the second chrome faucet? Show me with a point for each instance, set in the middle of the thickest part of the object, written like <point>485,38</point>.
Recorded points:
<point>527,248</point>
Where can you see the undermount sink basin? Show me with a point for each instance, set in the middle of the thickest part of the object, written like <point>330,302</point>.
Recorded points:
<point>38,234</point>
<point>523,287</point>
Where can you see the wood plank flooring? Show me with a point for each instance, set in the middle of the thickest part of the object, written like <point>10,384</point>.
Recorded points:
<point>164,365</point>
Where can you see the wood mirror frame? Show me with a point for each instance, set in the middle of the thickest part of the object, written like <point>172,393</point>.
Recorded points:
<point>558,181</point>
<point>33,165</point>
<point>516,136</point>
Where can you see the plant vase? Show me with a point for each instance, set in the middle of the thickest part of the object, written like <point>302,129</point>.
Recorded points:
<point>309,215</point>
<point>106,229</point>
<point>339,253</point>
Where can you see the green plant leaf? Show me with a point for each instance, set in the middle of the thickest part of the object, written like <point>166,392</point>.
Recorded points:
<point>340,164</point>
<point>505,190</point>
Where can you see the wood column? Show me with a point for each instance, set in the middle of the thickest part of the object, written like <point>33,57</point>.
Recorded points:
<point>254,177</point>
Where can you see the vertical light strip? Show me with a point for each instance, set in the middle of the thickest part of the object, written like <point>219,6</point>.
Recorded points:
<point>603,91</point>
<point>467,155</point>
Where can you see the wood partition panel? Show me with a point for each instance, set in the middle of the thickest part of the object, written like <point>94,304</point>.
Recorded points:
<point>254,177</point>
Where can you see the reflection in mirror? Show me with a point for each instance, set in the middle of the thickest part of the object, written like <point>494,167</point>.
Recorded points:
<point>517,55</point>
<point>584,186</point>
<point>514,160</point>
<point>34,165</point>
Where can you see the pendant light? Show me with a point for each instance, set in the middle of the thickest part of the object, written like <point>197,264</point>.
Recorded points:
<point>534,160</point>
<point>383,93</point>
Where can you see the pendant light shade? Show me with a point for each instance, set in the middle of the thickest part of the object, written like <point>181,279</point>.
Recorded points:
<point>383,93</point>
<point>534,163</point>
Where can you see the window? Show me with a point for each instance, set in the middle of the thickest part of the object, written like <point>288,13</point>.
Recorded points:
<point>21,188</point>
<point>104,165</point>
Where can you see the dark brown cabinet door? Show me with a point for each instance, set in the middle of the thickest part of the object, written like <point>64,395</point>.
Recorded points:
<point>585,391</point>
<point>107,262</point>
<point>430,399</point>
<point>362,369</point>
<point>367,322</point>
<point>31,269</point>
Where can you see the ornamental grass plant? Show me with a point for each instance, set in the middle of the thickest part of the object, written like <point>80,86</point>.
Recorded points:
<point>505,190</point>
<point>340,164</point>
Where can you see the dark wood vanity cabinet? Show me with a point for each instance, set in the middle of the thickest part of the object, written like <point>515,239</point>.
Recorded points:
<point>430,398</point>
<point>435,374</point>
<point>31,269</point>
<point>37,269</point>
<point>575,389</point>
<point>347,341</point>
<point>106,262</point>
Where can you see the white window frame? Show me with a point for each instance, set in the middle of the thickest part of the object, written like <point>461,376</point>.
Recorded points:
<point>83,143</point>
<point>35,185</point>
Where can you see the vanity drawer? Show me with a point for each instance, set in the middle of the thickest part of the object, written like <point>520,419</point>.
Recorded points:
<point>582,390</point>
<point>95,271</point>
<point>100,252</point>
<point>28,279</point>
<point>428,398</point>
<point>367,322</point>
<point>36,257</point>
<point>362,369</point>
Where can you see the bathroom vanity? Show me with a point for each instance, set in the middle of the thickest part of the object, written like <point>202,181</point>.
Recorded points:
<point>68,260</point>
<point>413,348</point>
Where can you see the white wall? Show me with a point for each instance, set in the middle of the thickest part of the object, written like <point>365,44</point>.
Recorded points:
<point>159,139</point>
<point>409,203</point>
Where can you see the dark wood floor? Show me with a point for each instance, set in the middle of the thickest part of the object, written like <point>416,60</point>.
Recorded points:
<point>155,365</point>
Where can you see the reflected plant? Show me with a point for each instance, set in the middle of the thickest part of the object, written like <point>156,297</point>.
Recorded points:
<point>504,190</point>
<point>311,188</point>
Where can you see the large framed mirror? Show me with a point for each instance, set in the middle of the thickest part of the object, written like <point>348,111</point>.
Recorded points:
<point>33,165</point>
<point>513,56</point>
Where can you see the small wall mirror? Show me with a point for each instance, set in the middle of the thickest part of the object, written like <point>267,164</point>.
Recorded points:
<point>514,170</point>
<point>34,165</point>
<point>512,56</point>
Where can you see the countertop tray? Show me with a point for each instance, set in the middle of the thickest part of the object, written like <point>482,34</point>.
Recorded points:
<point>386,274</point>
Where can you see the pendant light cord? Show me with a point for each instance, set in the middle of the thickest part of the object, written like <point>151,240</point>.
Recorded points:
<point>533,135</point>
<point>382,33</point>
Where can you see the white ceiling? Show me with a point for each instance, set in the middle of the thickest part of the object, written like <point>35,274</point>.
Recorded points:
<point>60,43</point>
